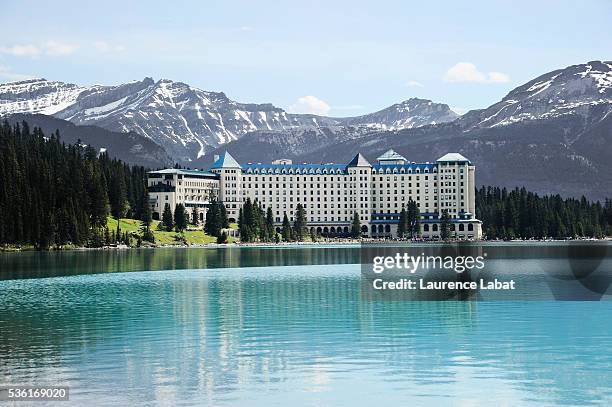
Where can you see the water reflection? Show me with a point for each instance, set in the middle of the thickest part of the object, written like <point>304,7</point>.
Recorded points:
<point>293,335</point>
<point>53,264</point>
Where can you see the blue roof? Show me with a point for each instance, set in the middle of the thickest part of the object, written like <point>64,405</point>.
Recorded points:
<point>225,160</point>
<point>406,167</point>
<point>296,168</point>
<point>359,161</point>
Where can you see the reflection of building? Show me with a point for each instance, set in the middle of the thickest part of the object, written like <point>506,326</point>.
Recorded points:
<point>192,188</point>
<point>332,193</point>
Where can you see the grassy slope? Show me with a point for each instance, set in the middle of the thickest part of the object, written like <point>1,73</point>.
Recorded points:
<point>196,237</point>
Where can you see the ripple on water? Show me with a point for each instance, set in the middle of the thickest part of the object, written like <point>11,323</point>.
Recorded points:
<point>294,334</point>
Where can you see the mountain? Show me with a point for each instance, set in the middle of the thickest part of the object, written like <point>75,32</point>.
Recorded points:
<point>37,96</point>
<point>189,122</point>
<point>410,113</point>
<point>551,135</point>
<point>575,90</point>
<point>129,147</point>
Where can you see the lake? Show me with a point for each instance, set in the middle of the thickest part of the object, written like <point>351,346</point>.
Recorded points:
<point>286,326</point>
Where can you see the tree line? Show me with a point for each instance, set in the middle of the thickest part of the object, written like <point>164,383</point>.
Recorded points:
<point>52,194</point>
<point>519,213</point>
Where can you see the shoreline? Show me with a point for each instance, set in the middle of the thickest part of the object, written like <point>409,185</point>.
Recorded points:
<point>328,243</point>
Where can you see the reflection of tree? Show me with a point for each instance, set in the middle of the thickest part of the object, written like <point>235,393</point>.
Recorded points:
<point>202,335</point>
<point>53,264</point>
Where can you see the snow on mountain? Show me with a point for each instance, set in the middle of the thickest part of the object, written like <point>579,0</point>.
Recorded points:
<point>410,113</point>
<point>37,96</point>
<point>189,122</point>
<point>576,90</point>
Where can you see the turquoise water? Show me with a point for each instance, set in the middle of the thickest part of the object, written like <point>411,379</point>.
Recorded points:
<point>285,335</point>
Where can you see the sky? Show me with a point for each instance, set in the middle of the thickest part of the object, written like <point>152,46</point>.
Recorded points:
<point>338,58</point>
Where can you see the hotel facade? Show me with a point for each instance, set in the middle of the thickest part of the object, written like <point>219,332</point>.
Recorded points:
<point>332,193</point>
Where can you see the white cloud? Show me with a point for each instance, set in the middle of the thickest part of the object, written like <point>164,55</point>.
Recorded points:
<point>7,74</point>
<point>246,28</point>
<point>58,49</point>
<point>310,105</point>
<point>414,84</point>
<point>498,77</point>
<point>467,72</point>
<point>105,47</point>
<point>25,50</point>
<point>51,48</point>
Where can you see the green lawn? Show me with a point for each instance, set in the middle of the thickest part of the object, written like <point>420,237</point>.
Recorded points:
<point>126,225</point>
<point>162,237</point>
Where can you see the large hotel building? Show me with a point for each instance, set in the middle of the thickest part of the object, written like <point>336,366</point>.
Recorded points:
<point>332,193</point>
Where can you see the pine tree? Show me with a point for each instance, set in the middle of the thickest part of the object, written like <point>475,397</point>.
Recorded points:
<point>270,224</point>
<point>300,223</point>
<point>251,222</point>
<point>402,225</point>
<point>356,226</point>
<point>98,198</point>
<point>146,219</point>
<point>167,218</point>
<point>445,226</point>
<point>180,218</point>
<point>211,224</point>
<point>222,238</point>
<point>259,222</point>
<point>286,230</point>
<point>223,221</point>
<point>195,216</point>
<point>413,219</point>
<point>107,237</point>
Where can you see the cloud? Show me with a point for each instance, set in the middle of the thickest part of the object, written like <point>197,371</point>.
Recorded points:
<point>310,105</point>
<point>498,77</point>
<point>414,84</point>
<point>246,28</point>
<point>106,47</point>
<point>51,48</point>
<point>467,72</point>
<point>7,74</point>
<point>26,50</point>
<point>59,49</point>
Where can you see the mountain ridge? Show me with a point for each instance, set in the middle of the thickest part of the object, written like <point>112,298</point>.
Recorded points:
<point>189,122</point>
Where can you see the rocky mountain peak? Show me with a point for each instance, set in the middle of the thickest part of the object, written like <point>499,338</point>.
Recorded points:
<point>577,89</point>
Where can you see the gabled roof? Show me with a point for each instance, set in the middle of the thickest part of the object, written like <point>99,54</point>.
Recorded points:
<point>359,161</point>
<point>226,161</point>
<point>391,155</point>
<point>452,157</point>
